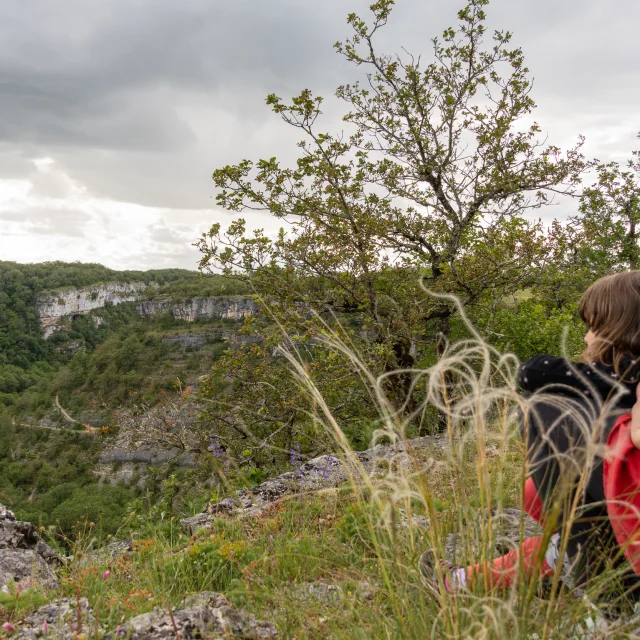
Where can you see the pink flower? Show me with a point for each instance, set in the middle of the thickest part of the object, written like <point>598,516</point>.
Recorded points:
<point>45,627</point>
<point>106,574</point>
<point>7,626</point>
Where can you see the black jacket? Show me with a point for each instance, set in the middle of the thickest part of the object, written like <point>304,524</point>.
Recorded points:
<point>595,382</point>
<point>570,408</point>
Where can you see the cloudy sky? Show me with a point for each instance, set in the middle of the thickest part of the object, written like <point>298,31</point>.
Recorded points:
<point>114,113</point>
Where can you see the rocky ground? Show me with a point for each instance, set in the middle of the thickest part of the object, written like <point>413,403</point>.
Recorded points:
<point>26,561</point>
<point>24,558</point>
<point>321,473</point>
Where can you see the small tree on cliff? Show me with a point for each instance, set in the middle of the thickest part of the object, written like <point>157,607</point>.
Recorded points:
<point>432,183</point>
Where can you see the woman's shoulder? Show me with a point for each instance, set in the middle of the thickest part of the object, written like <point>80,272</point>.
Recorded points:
<point>546,369</point>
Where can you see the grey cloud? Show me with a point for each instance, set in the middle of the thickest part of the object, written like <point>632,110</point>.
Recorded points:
<point>164,234</point>
<point>38,221</point>
<point>139,100</point>
<point>113,80</point>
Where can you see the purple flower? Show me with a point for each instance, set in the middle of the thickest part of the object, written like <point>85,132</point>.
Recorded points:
<point>296,461</point>
<point>214,445</point>
<point>326,469</point>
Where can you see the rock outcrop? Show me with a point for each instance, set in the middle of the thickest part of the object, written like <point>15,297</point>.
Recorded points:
<point>55,307</point>
<point>212,308</point>
<point>24,558</point>
<point>323,472</point>
<point>198,339</point>
<point>63,619</point>
<point>205,615</point>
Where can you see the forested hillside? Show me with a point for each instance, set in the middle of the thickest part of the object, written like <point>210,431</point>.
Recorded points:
<point>26,359</point>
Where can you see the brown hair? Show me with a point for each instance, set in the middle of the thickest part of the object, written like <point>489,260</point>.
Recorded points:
<point>611,309</point>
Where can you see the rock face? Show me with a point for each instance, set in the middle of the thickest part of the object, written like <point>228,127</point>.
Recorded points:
<point>64,619</point>
<point>55,308</point>
<point>206,615</point>
<point>197,340</point>
<point>68,303</point>
<point>24,558</point>
<point>323,472</point>
<point>217,307</point>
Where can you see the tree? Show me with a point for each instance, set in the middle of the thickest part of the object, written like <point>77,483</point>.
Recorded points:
<point>601,239</point>
<point>432,183</point>
<point>610,213</point>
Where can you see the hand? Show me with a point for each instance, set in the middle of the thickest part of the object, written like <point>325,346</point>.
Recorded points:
<point>635,420</point>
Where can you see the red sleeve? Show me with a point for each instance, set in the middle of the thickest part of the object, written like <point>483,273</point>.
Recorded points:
<point>622,489</point>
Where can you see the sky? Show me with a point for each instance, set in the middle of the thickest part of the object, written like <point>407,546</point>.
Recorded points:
<point>114,113</point>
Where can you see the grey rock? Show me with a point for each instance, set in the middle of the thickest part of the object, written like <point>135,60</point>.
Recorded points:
<point>47,423</point>
<point>330,594</point>
<point>319,591</point>
<point>54,308</point>
<point>206,615</point>
<point>198,340</point>
<point>199,521</point>
<point>367,590</point>
<point>24,567</point>
<point>225,506</point>
<point>23,555</point>
<point>111,551</point>
<point>416,520</point>
<point>205,599</point>
<point>184,340</point>
<point>215,307</point>
<point>148,454</point>
<point>61,618</point>
<point>506,535</point>
<point>323,472</point>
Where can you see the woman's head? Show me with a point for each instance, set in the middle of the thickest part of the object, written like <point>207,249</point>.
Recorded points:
<point>610,307</point>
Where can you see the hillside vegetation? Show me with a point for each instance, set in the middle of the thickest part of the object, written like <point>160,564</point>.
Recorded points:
<point>26,359</point>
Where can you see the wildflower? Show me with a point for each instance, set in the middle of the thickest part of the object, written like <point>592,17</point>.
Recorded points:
<point>45,627</point>
<point>106,574</point>
<point>326,469</point>
<point>214,445</point>
<point>7,626</point>
<point>54,585</point>
<point>296,461</point>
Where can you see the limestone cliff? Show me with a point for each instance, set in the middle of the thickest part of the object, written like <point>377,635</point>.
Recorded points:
<point>69,303</point>
<point>219,307</point>
<point>55,308</point>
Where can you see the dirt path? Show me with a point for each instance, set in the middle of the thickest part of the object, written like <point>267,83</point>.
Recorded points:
<point>24,425</point>
<point>66,416</point>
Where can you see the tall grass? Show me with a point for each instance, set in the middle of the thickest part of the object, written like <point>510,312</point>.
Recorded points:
<point>484,469</point>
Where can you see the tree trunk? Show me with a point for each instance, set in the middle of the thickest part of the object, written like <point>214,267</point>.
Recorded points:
<point>443,331</point>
